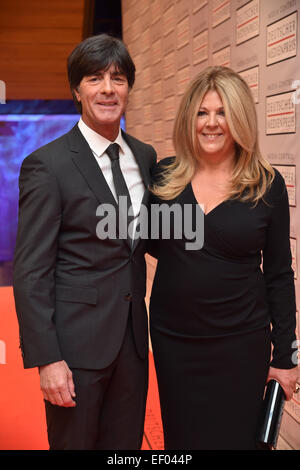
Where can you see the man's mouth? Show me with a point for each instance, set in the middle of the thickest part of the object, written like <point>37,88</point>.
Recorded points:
<point>108,104</point>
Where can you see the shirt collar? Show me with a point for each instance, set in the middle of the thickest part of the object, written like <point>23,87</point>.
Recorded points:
<point>96,141</point>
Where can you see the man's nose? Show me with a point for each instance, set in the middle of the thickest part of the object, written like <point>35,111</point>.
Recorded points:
<point>107,85</point>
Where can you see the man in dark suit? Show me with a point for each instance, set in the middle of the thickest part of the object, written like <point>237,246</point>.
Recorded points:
<point>79,295</point>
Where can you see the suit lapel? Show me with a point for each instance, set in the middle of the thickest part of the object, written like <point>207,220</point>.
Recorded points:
<point>138,150</point>
<point>86,163</point>
<point>89,168</point>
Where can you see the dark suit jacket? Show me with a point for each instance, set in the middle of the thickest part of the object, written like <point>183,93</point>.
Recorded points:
<point>72,290</point>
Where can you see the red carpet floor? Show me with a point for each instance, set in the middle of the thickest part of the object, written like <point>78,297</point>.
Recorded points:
<point>22,416</point>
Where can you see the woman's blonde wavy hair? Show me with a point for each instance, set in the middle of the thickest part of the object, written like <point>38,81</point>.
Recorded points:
<point>252,174</point>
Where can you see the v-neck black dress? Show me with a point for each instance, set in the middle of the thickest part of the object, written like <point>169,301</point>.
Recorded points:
<point>210,316</point>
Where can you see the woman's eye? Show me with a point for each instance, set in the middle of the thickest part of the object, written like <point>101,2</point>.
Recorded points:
<point>205,113</point>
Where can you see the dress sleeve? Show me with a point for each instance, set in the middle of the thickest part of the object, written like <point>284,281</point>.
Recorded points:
<point>279,277</point>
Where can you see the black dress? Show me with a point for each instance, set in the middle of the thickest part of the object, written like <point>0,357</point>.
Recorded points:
<point>210,316</point>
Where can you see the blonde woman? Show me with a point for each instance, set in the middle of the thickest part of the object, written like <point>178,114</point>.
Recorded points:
<point>216,312</point>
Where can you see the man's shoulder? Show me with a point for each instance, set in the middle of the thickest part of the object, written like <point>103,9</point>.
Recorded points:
<point>56,148</point>
<point>130,139</point>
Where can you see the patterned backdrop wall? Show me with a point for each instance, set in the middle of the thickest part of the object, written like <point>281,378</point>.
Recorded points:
<point>172,40</point>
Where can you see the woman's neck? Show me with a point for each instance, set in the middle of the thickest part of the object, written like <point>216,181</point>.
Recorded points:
<point>216,165</point>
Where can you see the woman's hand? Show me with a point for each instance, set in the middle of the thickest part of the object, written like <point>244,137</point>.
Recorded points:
<point>287,379</point>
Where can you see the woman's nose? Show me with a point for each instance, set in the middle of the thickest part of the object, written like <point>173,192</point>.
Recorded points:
<point>212,119</point>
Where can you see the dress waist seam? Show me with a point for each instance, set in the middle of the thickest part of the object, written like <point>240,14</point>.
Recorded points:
<point>233,333</point>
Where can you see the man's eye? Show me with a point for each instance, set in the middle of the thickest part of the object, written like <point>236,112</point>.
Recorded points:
<point>119,78</point>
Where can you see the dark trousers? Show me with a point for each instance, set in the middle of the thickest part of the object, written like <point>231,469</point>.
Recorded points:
<point>110,405</point>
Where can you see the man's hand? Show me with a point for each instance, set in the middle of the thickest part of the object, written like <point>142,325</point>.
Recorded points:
<point>57,384</point>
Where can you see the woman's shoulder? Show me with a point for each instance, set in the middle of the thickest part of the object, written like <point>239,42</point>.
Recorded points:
<point>165,162</point>
<point>277,188</point>
<point>158,169</point>
<point>278,183</point>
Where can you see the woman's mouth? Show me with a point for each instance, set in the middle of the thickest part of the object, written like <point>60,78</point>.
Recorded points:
<point>211,136</point>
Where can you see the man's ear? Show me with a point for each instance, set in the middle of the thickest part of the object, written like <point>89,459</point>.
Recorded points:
<point>77,93</point>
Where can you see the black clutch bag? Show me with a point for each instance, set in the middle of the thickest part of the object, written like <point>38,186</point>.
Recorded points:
<point>271,415</point>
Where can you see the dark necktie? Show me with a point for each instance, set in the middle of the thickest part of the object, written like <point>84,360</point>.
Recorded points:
<point>120,184</point>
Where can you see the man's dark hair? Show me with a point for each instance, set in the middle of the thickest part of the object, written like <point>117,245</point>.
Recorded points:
<point>98,53</point>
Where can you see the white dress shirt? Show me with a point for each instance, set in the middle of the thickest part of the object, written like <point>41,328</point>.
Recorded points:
<point>128,165</point>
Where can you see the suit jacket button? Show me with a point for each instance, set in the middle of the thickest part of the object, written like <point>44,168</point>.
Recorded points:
<point>128,297</point>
